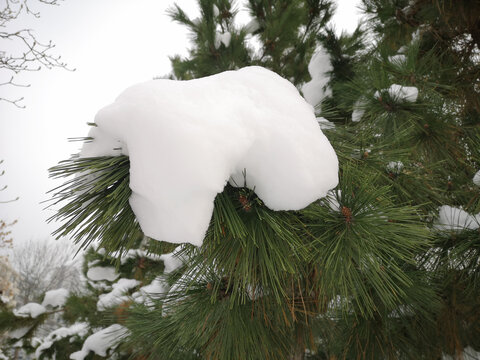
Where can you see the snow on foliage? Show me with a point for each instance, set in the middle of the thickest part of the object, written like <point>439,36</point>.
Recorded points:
<point>456,219</point>
<point>55,298</point>
<point>172,261</point>
<point>397,59</point>
<point>476,178</point>
<point>117,295</point>
<point>252,26</point>
<point>395,167</point>
<point>319,67</point>
<point>155,289</point>
<point>400,93</point>
<point>98,273</point>
<point>222,38</point>
<point>29,310</point>
<point>187,139</point>
<point>101,341</point>
<point>77,329</point>
<point>358,110</point>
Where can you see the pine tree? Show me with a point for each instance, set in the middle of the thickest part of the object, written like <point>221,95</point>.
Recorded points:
<point>386,266</point>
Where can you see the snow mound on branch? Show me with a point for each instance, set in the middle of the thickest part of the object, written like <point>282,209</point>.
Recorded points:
<point>173,260</point>
<point>55,298</point>
<point>456,219</point>
<point>77,329</point>
<point>101,341</point>
<point>187,139</point>
<point>30,310</point>
<point>222,38</point>
<point>117,295</point>
<point>98,273</point>
<point>319,67</point>
<point>157,288</point>
<point>401,93</point>
<point>476,178</point>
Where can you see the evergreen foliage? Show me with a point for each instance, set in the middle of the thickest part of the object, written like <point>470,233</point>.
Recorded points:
<point>373,270</point>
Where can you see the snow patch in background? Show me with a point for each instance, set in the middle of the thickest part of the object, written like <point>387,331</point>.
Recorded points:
<point>402,93</point>
<point>77,329</point>
<point>187,139</point>
<point>358,110</point>
<point>476,178</point>
<point>101,341</point>
<point>55,298</point>
<point>29,310</point>
<point>117,295</point>
<point>456,219</point>
<point>222,38</point>
<point>98,273</point>
<point>319,67</point>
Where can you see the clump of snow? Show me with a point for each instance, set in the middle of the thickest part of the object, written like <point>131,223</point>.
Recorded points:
<point>101,341</point>
<point>456,219</point>
<point>98,273</point>
<point>216,12</point>
<point>187,139</point>
<point>476,178</point>
<point>358,110</point>
<point>172,261</point>
<point>117,295</point>
<point>395,167</point>
<point>222,38</point>
<point>55,298</point>
<point>397,59</point>
<point>136,253</point>
<point>401,93</point>
<point>77,329</point>
<point>145,294</point>
<point>325,124</point>
<point>18,333</point>
<point>252,26</point>
<point>29,310</point>
<point>100,285</point>
<point>319,67</point>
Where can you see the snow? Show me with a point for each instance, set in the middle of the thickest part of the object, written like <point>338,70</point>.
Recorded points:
<point>319,67</point>
<point>252,26</point>
<point>476,178</point>
<point>55,298</point>
<point>78,329</point>
<point>101,341</point>
<point>222,38</point>
<point>117,295</point>
<point>358,110</point>
<point>172,261</point>
<point>29,310</point>
<point>397,59</point>
<point>153,290</point>
<point>456,219</point>
<point>135,253</point>
<point>216,12</point>
<point>2,355</point>
<point>395,167</point>
<point>399,92</point>
<point>98,273</point>
<point>18,333</point>
<point>187,139</point>
<point>325,124</point>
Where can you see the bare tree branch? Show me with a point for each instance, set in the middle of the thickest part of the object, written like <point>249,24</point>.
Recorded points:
<point>33,55</point>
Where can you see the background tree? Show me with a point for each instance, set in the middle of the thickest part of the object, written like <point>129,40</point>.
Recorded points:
<point>44,265</point>
<point>384,267</point>
<point>31,54</point>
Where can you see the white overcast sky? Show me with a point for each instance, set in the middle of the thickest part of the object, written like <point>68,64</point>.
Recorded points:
<point>112,44</point>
